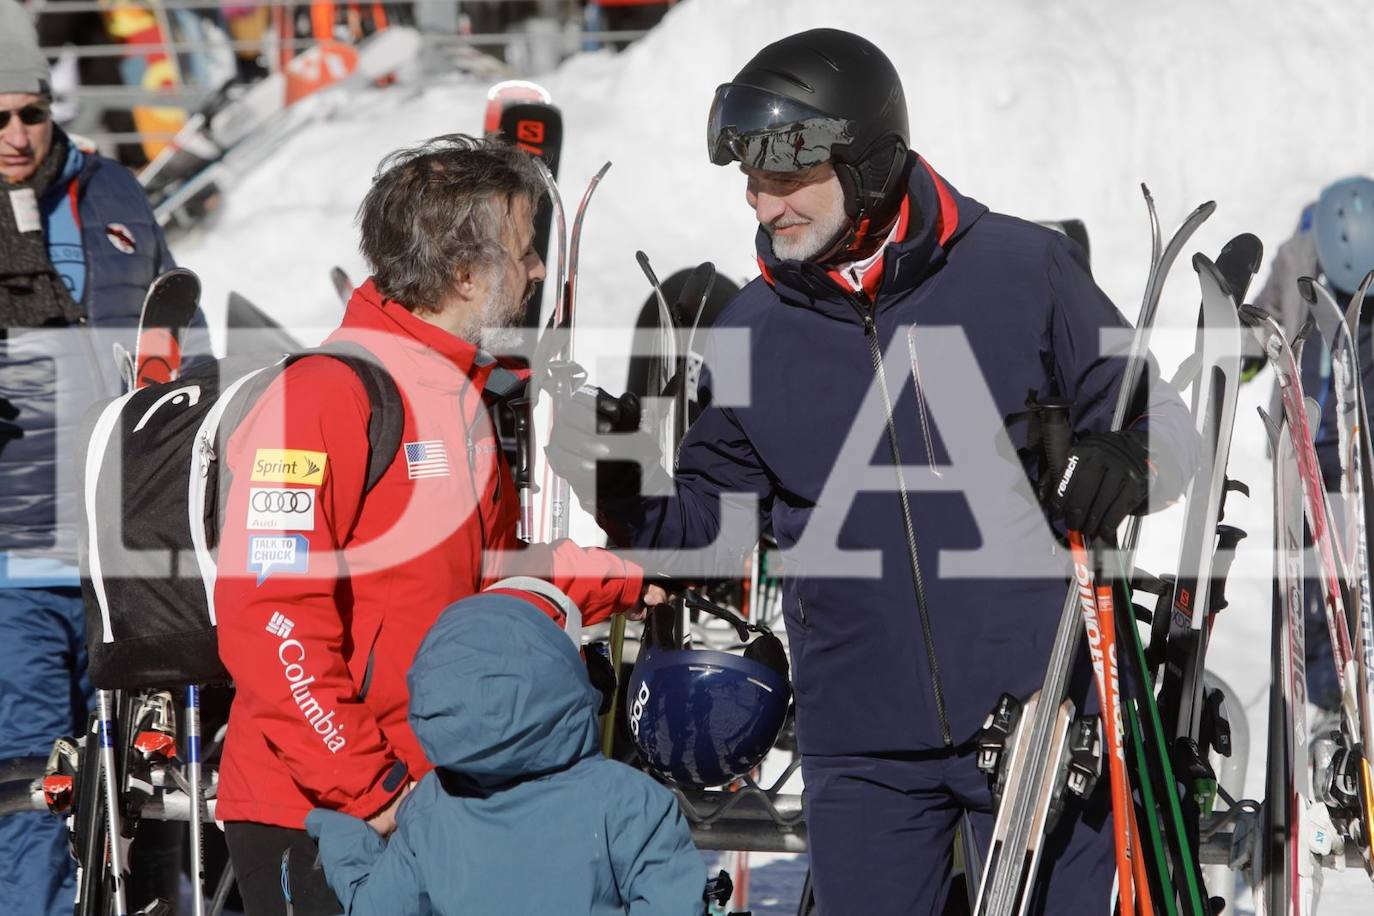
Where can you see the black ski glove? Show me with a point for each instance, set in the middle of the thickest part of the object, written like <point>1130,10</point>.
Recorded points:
<point>594,463</point>
<point>1107,478</point>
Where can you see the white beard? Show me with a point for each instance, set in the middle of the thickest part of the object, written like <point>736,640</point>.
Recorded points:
<point>816,236</point>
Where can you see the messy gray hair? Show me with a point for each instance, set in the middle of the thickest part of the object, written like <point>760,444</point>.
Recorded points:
<point>439,208</point>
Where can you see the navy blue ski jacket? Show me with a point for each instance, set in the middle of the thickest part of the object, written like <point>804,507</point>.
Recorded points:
<point>975,312</point>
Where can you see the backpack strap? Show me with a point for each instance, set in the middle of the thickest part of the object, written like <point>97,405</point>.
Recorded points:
<point>386,421</point>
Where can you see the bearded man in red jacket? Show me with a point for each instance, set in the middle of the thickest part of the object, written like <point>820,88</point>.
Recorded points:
<point>327,587</point>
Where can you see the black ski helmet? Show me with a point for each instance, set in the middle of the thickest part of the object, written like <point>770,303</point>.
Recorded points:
<point>815,96</point>
<point>1344,223</point>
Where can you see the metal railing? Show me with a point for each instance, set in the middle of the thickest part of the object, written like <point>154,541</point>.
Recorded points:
<point>105,6</point>
<point>485,39</point>
<point>444,48</point>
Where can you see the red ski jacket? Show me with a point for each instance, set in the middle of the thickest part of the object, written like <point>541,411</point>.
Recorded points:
<point>323,596</point>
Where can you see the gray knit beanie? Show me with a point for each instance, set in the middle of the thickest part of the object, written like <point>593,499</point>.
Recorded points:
<point>23,68</point>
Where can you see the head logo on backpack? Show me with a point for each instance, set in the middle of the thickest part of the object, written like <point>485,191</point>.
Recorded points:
<point>152,502</point>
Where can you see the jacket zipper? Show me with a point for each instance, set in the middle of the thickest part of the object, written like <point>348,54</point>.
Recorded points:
<point>917,579</point>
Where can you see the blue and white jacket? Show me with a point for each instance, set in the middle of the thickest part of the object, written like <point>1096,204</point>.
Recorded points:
<point>106,244</point>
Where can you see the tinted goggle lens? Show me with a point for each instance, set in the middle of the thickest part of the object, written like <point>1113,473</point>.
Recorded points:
<point>29,114</point>
<point>770,132</point>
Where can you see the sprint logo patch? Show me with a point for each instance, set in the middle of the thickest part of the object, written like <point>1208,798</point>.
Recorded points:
<point>289,465</point>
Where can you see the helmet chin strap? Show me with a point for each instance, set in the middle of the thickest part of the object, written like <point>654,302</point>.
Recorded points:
<point>871,213</point>
<point>835,250</point>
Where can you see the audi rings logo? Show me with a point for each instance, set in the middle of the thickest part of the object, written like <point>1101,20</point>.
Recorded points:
<point>283,501</point>
<point>281,509</point>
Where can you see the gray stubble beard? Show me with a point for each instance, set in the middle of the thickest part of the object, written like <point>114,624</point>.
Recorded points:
<point>498,329</point>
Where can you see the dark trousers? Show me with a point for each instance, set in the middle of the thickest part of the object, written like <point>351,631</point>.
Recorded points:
<point>278,871</point>
<point>881,833</point>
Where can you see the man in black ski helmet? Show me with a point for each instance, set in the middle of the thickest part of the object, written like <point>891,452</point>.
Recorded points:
<point>921,579</point>
<point>778,119</point>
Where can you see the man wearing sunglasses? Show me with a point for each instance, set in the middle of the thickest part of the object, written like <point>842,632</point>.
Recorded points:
<point>78,248</point>
<point>897,329</point>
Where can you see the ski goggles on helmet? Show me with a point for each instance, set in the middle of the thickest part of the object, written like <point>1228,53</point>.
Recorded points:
<point>36,113</point>
<point>764,130</point>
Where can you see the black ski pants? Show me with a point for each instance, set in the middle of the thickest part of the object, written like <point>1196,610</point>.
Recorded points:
<point>278,871</point>
<point>881,836</point>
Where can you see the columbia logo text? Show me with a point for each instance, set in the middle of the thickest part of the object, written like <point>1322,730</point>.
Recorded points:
<point>291,654</point>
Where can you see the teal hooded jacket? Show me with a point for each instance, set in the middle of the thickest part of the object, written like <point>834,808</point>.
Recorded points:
<point>523,814</point>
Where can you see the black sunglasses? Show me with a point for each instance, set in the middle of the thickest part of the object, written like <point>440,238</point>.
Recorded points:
<point>29,114</point>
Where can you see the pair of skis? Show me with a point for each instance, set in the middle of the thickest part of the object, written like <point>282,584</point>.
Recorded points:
<point>1170,736</point>
<point>522,112</point>
<point>1340,330</point>
<point>1320,794</point>
<point>1040,745</point>
<point>1158,867</point>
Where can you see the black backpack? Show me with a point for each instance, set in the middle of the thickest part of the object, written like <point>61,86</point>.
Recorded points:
<point>152,500</point>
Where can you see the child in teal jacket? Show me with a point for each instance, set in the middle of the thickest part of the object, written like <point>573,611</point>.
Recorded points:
<point>522,814</point>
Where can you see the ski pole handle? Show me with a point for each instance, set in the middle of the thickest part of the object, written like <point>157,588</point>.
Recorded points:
<point>524,458</point>
<point>1056,435</point>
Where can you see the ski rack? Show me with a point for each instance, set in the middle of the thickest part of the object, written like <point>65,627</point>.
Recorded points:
<point>743,816</point>
<point>747,818</point>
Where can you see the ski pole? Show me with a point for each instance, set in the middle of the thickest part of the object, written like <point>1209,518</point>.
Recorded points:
<point>1095,602</point>
<point>197,793</point>
<point>105,701</point>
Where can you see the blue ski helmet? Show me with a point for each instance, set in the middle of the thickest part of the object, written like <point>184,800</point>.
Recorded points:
<point>702,717</point>
<point>1344,224</point>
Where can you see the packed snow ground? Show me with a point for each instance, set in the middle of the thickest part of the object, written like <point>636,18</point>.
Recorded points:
<point>1044,111</point>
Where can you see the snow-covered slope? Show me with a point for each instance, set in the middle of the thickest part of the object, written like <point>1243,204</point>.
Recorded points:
<point>1041,110</point>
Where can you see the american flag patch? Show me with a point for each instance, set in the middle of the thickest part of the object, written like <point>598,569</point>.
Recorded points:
<point>426,459</point>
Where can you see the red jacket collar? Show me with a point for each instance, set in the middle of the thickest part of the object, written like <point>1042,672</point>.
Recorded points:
<point>870,270</point>
<point>947,217</point>
<point>368,310</point>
